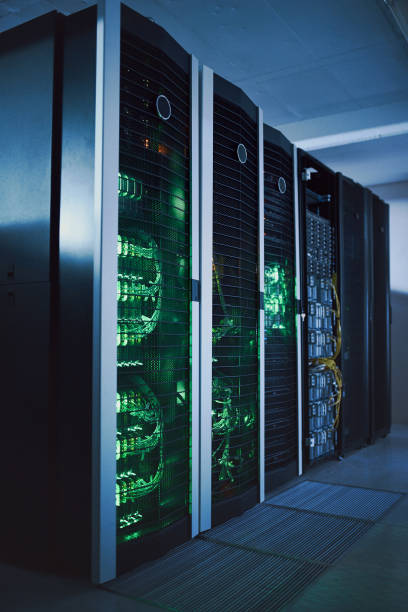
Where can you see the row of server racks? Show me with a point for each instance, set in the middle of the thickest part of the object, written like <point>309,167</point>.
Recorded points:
<point>193,312</point>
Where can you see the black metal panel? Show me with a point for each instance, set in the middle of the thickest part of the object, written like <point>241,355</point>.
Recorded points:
<point>30,57</point>
<point>381,388</point>
<point>26,118</point>
<point>235,303</point>
<point>24,450</point>
<point>72,501</point>
<point>354,263</point>
<point>154,292</point>
<point>151,33</point>
<point>280,322</point>
<point>235,96</point>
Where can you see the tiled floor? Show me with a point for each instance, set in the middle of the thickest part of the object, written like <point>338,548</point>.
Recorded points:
<point>371,575</point>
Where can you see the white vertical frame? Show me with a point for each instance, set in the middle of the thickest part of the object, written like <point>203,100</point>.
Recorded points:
<point>206,252</point>
<point>261,280</point>
<point>298,289</point>
<point>104,298</point>
<point>195,306</point>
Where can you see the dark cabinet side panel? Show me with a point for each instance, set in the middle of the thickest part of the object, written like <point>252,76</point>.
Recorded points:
<point>381,320</point>
<point>354,314</point>
<point>24,451</point>
<point>73,422</point>
<point>26,118</point>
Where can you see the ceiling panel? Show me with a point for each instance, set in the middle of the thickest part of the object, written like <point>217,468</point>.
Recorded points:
<point>384,160</point>
<point>330,27</point>
<point>311,93</point>
<point>356,74</point>
<point>250,36</point>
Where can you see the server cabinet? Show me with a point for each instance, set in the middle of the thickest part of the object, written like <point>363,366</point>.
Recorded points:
<point>380,327</point>
<point>355,320</point>
<point>281,430</point>
<point>154,271</point>
<point>321,335</point>
<point>29,63</point>
<point>122,144</point>
<point>230,285</point>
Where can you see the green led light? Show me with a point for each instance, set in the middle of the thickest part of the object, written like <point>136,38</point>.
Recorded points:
<point>228,413</point>
<point>129,187</point>
<point>278,298</point>
<point>130,519</point>
<point>139,288</point>
<point>142,436</point>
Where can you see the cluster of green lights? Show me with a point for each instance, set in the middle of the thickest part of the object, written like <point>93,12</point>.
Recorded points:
<point>129,187</point>
<point>144,435</point>
<point>277,298</point>
<point>224,421</point>
<point>139,296</point>
<point>130,519</point>
<point>139,289</point>
<point>226,417</point>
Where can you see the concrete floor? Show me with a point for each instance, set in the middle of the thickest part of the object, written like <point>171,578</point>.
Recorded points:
<point>372,575</point>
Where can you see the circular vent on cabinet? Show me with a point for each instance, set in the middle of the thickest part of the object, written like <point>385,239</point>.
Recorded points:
<point>242,153</point>
<point>163,107</point>
<point>282,184</point>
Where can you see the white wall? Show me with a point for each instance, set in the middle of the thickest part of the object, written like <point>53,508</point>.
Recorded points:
<point>399,245</point>
<point>399,305</point>
<point>396,194</point>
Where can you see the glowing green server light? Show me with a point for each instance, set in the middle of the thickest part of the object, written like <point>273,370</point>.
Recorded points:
<point>277,298</point>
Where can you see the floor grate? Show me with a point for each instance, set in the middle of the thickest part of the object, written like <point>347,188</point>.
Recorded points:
<point>293,533</point>
<point>264,558</point>
<point>202,575</point>
<point>345,501</point>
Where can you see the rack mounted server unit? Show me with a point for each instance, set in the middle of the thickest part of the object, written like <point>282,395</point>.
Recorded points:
<point>281,428</point>
<point>232,258</point>
<point>99,260</point>
<point>322,381</point>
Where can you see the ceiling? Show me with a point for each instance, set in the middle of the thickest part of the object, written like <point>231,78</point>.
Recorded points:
<point>377,161</point>
<point>317,68</point>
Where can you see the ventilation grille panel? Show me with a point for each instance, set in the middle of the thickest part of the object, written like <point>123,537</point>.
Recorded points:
<point>235,303</point>
<point>152,489</point>
<point>280,331</point>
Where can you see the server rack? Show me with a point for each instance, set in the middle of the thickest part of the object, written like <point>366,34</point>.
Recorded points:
<point>123,101</point>
<point>355,317</point>
<point>153,445</point>
<point>230,205</point>
<point>281,430</point>
<point>380,361</point>
<point>321,310</point>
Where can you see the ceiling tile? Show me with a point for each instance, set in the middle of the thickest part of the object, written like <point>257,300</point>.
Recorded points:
<point>329,27</point>
<point>310,93</point>
<point>375,70</point>
<point>251,37</point>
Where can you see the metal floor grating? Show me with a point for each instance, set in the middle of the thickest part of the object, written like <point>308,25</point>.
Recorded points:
<point>202,575</point>
<point>294,533</point>
<point>262,559</point>
<point>340,500</point>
